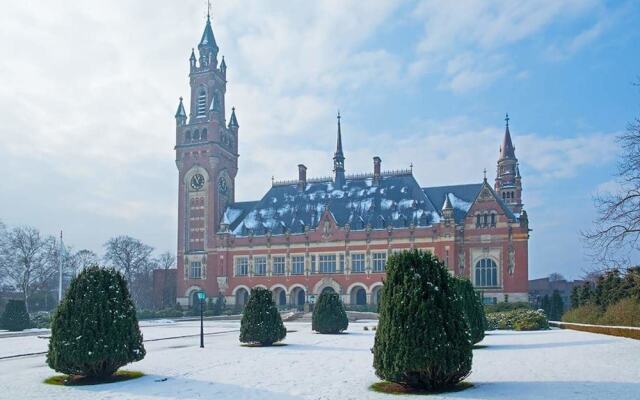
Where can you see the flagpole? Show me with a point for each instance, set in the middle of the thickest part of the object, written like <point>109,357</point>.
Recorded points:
<point>60,270</point>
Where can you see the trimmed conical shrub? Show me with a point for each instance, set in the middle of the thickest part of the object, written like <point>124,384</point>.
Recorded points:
<point>423,339</point>
<point>473,309</point>
<point>329,315</point>
<point>261,322</point>
<point>15,316</point>
<point>95,330</point>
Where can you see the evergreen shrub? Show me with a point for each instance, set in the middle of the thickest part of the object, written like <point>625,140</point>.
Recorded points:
<point>504,306</point>
<point>520,320</point>
<point>585,314</point>
<point>422,340</point>
<point>95,330</point>
<point>473,309</point>
<point>626,312</point>
<point>329,315</point>
<point>261,323</point>
<point>15,317</point>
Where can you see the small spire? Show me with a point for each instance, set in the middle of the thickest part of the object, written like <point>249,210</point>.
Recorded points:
<point>193,55</point>
<point>208,9</point>
<point>233,121</point>
<point>507,150</point>
<point>447,203</point>
<point>338,158</point>
<point>223,65</point>
<point>181,113</point>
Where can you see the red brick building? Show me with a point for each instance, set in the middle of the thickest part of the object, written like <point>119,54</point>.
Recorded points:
<point>313,234</point>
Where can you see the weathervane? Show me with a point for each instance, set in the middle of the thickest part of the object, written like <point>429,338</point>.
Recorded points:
<point>208,8</point>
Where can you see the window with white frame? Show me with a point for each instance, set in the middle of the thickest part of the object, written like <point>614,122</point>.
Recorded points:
<point>327,263</point>
<point>313,263</point>
<point>486,273</point>
<point>297,265</point>
<point>242,266</point>
<point>196,270</point>
<point>379,260</point>
<point>278,265</point>
<point>357,262</point>
<point>341,264</point>
<point>260,265</point>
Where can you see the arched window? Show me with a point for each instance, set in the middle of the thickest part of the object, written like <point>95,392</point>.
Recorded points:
<point>486,273</point>
<point>201,105</point>
<point>485,220</point>
<point>203,136</point>
<point>478,221</point>
<point>196,135</point>
<point>187,137</point>
<point>493,219</point>
<point>242,296</point>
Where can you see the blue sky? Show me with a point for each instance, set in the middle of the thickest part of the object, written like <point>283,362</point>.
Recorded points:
<point>89,93</point>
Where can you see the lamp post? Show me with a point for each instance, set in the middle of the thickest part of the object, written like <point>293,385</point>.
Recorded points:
<point>201,296</point>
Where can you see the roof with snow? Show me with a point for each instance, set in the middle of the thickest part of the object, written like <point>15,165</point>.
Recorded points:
<point>395,200</point>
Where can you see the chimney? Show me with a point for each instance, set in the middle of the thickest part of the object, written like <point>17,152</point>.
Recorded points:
<point>302,176</point>
<point>377,161</point>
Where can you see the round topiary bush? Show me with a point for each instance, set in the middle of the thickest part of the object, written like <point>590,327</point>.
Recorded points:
<point>329,315</point>
<point>423,339</point>
<point>15,317</point>
<point>473,309</point>
<point>261,323</point>
<point>95,330</point>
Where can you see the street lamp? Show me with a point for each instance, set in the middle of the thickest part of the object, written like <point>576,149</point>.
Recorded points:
<point>201,296</point>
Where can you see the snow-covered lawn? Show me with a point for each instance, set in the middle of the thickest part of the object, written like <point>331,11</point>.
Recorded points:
<point>548,365</point>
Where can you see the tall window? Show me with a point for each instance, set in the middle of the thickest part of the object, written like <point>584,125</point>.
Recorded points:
<point>379,260</point>
<point>196,270</point>
<point>260,265</point>
<point>278,265</point>
<point>242,266</point>
<point>313,264</point>
<point>201,105</point>
<point>486,273</point>
<point>493,220</point>
<point>297,265</point>
<point>357,262</point>
<point>327,263</point>
<point>341,264</point>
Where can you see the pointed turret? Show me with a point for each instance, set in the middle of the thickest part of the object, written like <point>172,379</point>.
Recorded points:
<point>207,47</point>
<point>233,121</point>
<point>192,59</point>
<point>447,209</point>
<point>508,182</point>
<point>338,158</point>
<point>507,150</point>
<point>223,67</point>
<point>181,114</point>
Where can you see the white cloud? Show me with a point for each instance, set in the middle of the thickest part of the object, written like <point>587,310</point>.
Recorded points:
<point>468,39</point>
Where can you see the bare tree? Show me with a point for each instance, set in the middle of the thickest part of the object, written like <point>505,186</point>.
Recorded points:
<point>616,231</point>
<point>3,253</point>
<point>133,258</point>
<point>83,259</point>
<point>30,260</point>
<point>167,261</point>
<point>554,277</point>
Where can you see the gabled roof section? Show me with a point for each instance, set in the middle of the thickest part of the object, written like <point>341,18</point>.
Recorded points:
<point>505,208</point>
<point>460,196</point>
<point>397,200</point>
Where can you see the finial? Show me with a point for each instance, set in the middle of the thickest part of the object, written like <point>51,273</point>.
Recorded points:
<point>485,174</point>
<point>506,118</point>
<point>339,116</point>
<point>208,9</point>
<point>411,166</point>
<point>180,99</point>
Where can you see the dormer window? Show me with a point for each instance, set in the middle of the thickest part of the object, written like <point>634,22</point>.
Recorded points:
<point>201,105</point>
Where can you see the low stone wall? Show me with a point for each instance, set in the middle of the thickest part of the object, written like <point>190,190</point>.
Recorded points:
<point>623,331</point>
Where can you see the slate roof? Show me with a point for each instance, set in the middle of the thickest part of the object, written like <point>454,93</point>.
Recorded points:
<point>461,198</point>
<point>396,200</point>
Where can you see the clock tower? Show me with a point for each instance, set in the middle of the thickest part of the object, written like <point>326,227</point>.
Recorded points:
<point>207,160</point>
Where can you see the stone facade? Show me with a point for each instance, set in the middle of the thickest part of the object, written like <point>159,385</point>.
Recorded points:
<point>309,235</point>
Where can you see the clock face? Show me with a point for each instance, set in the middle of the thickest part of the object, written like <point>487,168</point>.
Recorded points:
<point>197,182</point>
<point>222,185</point>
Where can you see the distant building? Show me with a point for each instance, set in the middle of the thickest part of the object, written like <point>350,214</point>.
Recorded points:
<point>164,288</point>
<point>538,288</point>
<point>311,235</point>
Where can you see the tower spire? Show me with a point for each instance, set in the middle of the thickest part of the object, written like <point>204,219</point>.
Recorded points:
<point>338,158</point>
<point>507,150</point>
